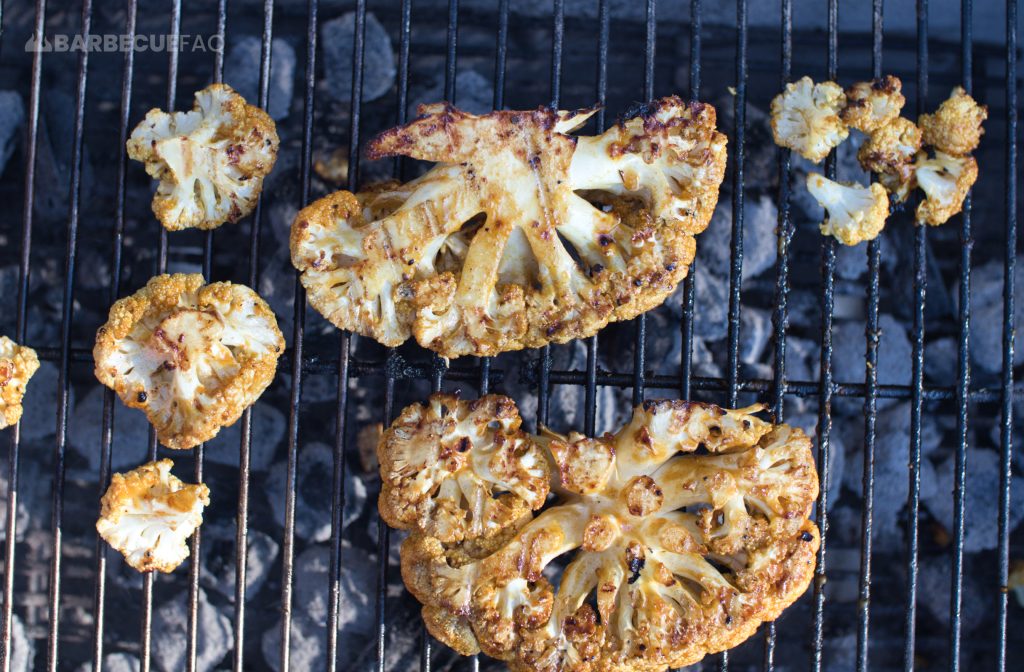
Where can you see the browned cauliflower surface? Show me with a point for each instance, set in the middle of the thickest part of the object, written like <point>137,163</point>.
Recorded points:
<point>17,364</point>
<point>891,149</point>
<point>945,180</point>
<point>872,105</point>
<point>682,532</point>
<point>805,118</point>
<point>210,161</point>
<point>192,356</point>
<point>148,513</point>
<point>521,235</point>
<point>955,128</point>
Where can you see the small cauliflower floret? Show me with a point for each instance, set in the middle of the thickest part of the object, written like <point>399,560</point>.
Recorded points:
<point>805,118</point>
<point>148,513</point>
<point>17,364</point>
<point>955,128</point>
<point>444,464</point>
<point>945,180</point>
<point>210,162</point>
<point>680,534</point>
<point>522,234</point>
<point>855,213</point>
<point>872,105</point>
<point>193,357</point>
<point>891,149</point>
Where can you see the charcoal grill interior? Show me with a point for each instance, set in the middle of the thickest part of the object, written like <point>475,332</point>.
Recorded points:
<point>907,377</point>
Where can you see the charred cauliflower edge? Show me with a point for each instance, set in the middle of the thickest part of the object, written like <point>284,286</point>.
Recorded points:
<point>210,161</point>
<point>18,363</point>
<point>521,235</point>
<point>148,513</point>
<point>191,356</point>
<point>690,528</point>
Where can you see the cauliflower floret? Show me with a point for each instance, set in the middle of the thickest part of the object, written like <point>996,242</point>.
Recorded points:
<point>855,213</point>
<point>148,513</point>
<point>955,128</point>
<point>210,162</point>
<point>193,357</point>
<point>443,464</point>
<point>17,364</point>
<point>872,105</point>
<point>672,553</point>
<point>805,118</point>
<point>945,180</point>
<point>521,235</point>
<point>891,149</point>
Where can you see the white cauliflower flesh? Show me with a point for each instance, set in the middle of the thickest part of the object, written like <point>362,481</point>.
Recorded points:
<point>193,357</point>
<point>805,118</point>
<point>148,513</point>
<point>682,533</point>
<point>872,105</point>
<point>855,213</point>
<point>17,364</point>
<point>521,235</point>
<point>945,180</point>
<point>955,128</point>
<point>210,161</point>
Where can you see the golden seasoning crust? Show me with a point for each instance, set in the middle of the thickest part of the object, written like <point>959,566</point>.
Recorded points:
<point>192,357</point>
<point>210,161</point>
<point>945,180</point>
<point>956,127</point>
<point>891,149</point>
<point>148,513</point>
<point>651,583</point>
<point>18,363</point>
<point>872,105</point>
<point>522,235</point>
<point>805,118</point>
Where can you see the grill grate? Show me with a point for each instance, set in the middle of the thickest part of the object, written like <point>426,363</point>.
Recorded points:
<point>394,367</point>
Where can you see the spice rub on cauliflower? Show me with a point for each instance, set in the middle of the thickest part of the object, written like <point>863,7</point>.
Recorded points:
<point>683,532</point>
<point>18,363</point>
<point>192,356</point>
<point>805,118</point>
<point>521,235</point>
<point>955,128</point>
<point>148,513</point>
<point>210,161</point>
<point>872,105</point>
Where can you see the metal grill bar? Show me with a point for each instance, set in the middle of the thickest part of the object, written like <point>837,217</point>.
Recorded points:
<point>20,328</point>
<point>871,334</point>
<point>1009,306</point>
<point>686,365</point>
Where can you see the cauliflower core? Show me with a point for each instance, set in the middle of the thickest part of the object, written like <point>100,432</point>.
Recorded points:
<point>521,235</point>
<point>17,364</point>
<point>193,357</point>
<point>210,162</point>
<point>672,552</point>
<point>955,128</point>
<point>872,105</point>
<point>147,514</point>
<point>855,213</point>
<point>945,180</point>
<point>805,118</point>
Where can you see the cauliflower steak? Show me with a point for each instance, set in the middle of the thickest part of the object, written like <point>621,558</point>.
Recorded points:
<point>210,161</point>
<point>148,513</point>
<point>192,356</point>
<point>17,365</point>
<point>521,235</point>
<point>681,533</point>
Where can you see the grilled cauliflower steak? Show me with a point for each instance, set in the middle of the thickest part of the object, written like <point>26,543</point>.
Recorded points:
<point>17,364</point>
<point>872,105</point>
<point>945,180</point>
<point>210,161</point>
<point>192,356</point>
<point>805,118</point>
<point>148,513</point>
<point>955,128</point>
<point>673,553</point>
<point>855,213</point>
<point>521,235</point>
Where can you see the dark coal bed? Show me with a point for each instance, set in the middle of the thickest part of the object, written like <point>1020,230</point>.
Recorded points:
<point>545,385</point>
